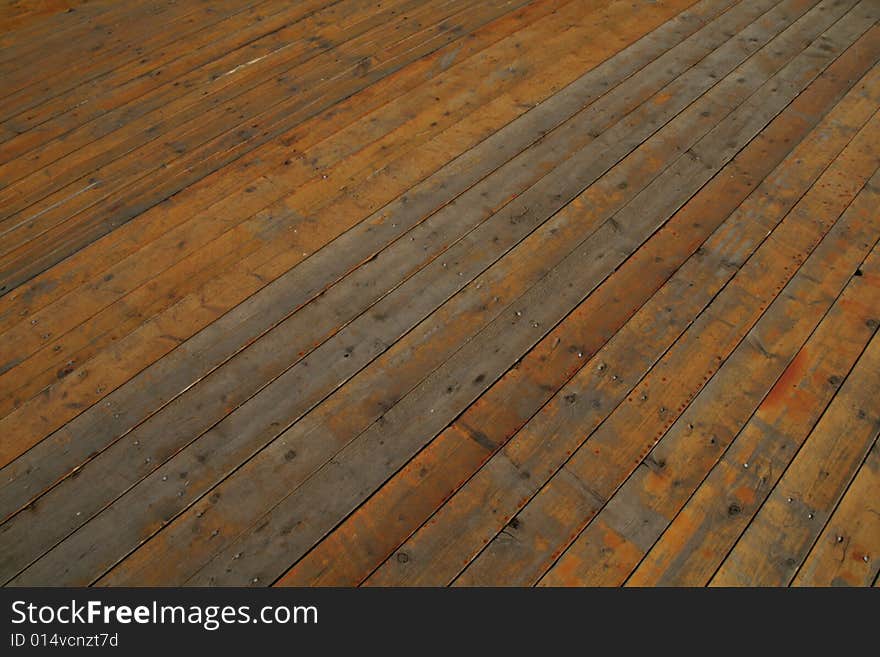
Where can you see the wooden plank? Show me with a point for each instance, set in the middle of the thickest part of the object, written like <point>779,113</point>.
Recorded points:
<point>221,82</point>
<point>123,305</point>
<point>814,482</point>
<point>846,552</point>
<point>642,508</point>
<point>165,289</point>
<point>469,256</point>
<point>229,101</point>
<point>73,272</point>
<point>125,42</point>
<point>704,531</point>
<point>64,62</point>
<point>359,545</point>
<point>407,212</point>
<point>150,185</point>
<point>410,422</point>
<point>440,555</point>
<point>144,83</point>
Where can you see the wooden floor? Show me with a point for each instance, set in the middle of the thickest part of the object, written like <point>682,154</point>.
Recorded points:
<point>411,292</point>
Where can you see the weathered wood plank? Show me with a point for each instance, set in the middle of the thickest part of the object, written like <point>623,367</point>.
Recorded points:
<point>256,234</point>
<point>846,552</point>
<point>355,548</point>
<point>266,308</point>
<point>814,482</point>
<point>444,543</point>
<point>149,185</point>
<point>642,508</point>
<point>406,421</point>
<point>232,181</point>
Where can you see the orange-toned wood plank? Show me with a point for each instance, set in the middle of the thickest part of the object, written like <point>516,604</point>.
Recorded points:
<point>126,295</point>
<point>638,513</point>
<point>368,537</point>
<point>94,427</point>
<point>548,243</point>
<point>812,485</point>
<point>77,270</point>
<point>847,552</point>
<point>440,549</point>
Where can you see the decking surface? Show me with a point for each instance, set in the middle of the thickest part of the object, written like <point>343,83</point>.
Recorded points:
<point>398,292</point>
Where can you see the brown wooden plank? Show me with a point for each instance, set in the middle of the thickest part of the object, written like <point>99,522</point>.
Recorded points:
<point>535,528</point>
<point>846,552</point>
<point>264,309</point>
<point>188,258</point>
<point>202,157</point>
<point>497,492</point>
<point>641,509</point>
<point>814,482</point>
<point>399,421</point>
<point>355,548</point>
<point>465,258</point>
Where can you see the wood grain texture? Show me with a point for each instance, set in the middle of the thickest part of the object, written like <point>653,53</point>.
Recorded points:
<point>846,552</point>
<point>343,292</point>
